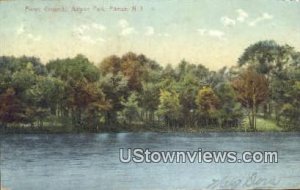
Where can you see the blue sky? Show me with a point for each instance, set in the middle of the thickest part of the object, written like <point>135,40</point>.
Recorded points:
<point>210,32</point>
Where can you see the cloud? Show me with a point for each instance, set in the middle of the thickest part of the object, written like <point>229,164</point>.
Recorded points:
<point>80,30</point>
<point>149,31</point>
<point>123,23</point>
<point>86,28</point>
<point>202,31</point>
<point>226,21</point>
<point>230,22</point>
<point>23,32</point>
<point>216,33</point>
<point>126,29</point>
<point>212,33</point>
<point>88,33</point>
<point>242,15</point>
<point>20,30</point>
<point>264,16</point>
<point>297,1</point>
<point>163,34</point>
<point>90,40</point>
<point>33,38</point>
<point>99,27</point>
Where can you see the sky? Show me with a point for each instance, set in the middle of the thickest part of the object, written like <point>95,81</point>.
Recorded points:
<point>209,32</point>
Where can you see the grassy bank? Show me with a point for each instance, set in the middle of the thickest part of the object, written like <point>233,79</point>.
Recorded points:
<point>263,125</point>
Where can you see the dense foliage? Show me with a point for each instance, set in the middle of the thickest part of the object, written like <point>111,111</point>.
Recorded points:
<point>135,90</point>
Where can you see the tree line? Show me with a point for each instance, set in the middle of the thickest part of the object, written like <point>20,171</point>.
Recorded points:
<point>135,90</point>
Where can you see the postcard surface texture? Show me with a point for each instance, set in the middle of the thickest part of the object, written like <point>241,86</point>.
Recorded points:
<point>149,94</point>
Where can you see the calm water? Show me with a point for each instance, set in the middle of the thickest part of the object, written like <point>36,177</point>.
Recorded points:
<point>91,161</point>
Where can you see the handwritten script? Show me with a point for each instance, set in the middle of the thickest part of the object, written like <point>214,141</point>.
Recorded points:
<point>251,181</point>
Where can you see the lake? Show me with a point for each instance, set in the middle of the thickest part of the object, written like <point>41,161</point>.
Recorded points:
<point>91,161</point>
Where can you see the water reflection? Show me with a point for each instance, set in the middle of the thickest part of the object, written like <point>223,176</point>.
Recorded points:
<point>91,161</point>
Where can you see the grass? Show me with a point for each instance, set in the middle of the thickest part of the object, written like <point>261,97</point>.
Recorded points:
<point>263,125</point>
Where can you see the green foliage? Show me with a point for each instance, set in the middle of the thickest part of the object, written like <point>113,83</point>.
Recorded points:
<point>150,96</point>
<point>116,89</point>
<point>266,56</point>
<point>131,109</point>
<point>207,101</point>
<point>132,89</point>
<point>230,111</point>
<point>78,68</point>
<point>263,125</point>
<point>169,107</point>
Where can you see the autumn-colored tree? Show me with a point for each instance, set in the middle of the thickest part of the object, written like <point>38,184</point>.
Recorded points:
<point>74,92</point>
<point>133,69</point>
<point>11,108</point>
<point>111,64</point>
<point>208,103</point>
<point>207,100</point>
<point>270,59</point>
<point>83,98</point>
<point>251,89</point>
<point>86,99</point>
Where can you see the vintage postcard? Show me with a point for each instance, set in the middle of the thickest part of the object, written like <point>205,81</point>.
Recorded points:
<point>149,94</point>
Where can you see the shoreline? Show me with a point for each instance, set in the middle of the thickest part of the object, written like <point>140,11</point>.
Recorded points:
<point>134,128</point>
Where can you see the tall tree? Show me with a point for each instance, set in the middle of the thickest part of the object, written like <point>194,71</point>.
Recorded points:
<point>169,107</point>
<point>251,89</point>
<point>131,109</point>
<point>11,108</point>
<point>116,89</point>
<point>230,109</point>
<point>268,58</point>
<point>111,64</point>
<point>208,103</point>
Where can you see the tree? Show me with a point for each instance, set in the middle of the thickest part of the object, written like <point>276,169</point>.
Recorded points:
<point>116,89</point>
<point>77,68</point>
<point>169,107</point>
<point>131,109</point>
<point>230,109</point>
<point>208,103</point>
<point>135,89</point>
<point>285,92</point>
<point>133,68</point>
<point>83,96</point>
<point>149,100</point>
<point>268,58</point>
<point>251,89</point>
<point>11,108</point>
<point>86,99</point>
<point>111,64</point>
<point>187,88</point>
